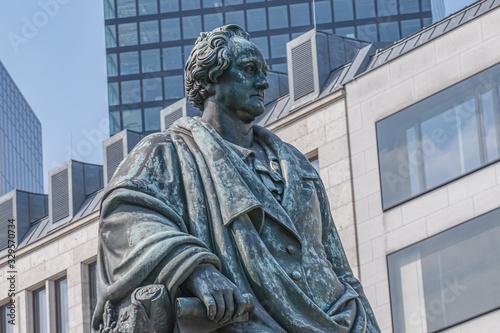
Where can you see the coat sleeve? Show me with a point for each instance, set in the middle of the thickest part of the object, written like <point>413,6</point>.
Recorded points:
<point>336,255</point>
<point>143,237</point>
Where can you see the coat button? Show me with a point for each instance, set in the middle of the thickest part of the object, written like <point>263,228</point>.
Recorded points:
<point>291,249</point>
<point>296,275</point>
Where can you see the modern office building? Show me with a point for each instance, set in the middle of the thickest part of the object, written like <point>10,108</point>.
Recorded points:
<point>148,41</point>
<point>20,139</point>
<point>406,140</point>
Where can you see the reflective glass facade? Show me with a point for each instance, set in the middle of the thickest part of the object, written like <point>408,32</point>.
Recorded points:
<point>148,41</point>
<point>441,138</point>
<point>448,278</point>
<point>20,139</point>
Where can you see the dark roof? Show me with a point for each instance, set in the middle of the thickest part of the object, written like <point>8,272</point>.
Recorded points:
<point>281,107</point>
<point>43,227</point>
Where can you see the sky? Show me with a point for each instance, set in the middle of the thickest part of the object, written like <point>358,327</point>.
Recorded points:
<point>55,52</point>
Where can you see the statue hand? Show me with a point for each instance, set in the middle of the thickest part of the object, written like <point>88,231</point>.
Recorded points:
<point>221,297</point>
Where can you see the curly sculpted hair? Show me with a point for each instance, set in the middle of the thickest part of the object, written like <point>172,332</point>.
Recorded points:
<point>208,60</point>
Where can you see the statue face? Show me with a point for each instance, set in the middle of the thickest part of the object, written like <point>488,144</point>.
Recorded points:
<point>239,91</point>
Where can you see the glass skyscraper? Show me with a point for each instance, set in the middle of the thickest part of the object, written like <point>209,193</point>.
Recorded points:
<point>20,139</point>
<point>148,41</point>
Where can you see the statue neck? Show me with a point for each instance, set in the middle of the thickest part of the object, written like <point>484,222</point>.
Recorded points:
<point>230,127</point>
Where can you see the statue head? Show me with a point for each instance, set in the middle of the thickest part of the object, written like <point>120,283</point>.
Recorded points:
<point>209,58</point>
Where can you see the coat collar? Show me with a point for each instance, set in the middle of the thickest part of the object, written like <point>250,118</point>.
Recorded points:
<point>239,189</point>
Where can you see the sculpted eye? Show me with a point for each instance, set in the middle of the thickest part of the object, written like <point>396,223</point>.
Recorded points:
<point>250,68</point>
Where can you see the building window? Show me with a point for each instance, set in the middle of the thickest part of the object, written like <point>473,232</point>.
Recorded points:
<point>174,87</point>
<point>278,45</point>
<point>114,122</point>
<point>40,310</point>
<point>149,32</point>
<point>257,19</point>
<point>236,17</point>
<point>151,117</point>
<point>167,6</point>
<point>129,63</point>
<point>323,11</point>
<point>191,26</point>
<point>5,326</point>
<point>109,9</point>
<point>409,27</point>
<point>278,17</point>
<point>212,21</point>
<point>367,32</point>
<point>190,4</point>
<point>131,91</point>
<point>387,7</point>
<point>132,120</point>
<point>315,162</point>
<point>262,44</point>
<point>343,10</point>
<point>170,30</point>
<point>62,321</point>
<point>127,34</point>
<point>152,89</point>
<point>439,139</point>
<point>93,285</point>
<point>111,36</point>
<point>147,7</point>
<point>150,61</point>
<point>389,31</point>
<point>112,64</point>
<point>408,6</point>
<point>448,278</point>
<point>366,8</point>
<point>299,14</point>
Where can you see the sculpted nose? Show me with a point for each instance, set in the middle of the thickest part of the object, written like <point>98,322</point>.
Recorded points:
<point>261,83</point>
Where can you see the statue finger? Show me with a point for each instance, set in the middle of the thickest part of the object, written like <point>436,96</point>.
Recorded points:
<point>219,301</point>
<point>209,302</point>
<point>240,303</point>
<point>229,304</point>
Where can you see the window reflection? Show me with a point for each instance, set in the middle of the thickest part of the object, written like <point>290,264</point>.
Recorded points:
<point>149,32</point>
<point>278,17</point>
<point>256,19</point>
<point>132,120</point>
<point>366,8</point>
<point>212,21</point>
<point>111,64</point>
<point>408,6</point>
<point>167,6</point>
<point>261,43</point>
<point>190,4</point>
<point>236,17</point>
<point>131,91</point>
<point>409,27</point>
<point>111,36</point>
<point>147,7</point>
<point>343,10</point>
<point>435,284</point>
<point>114,122</point>
<point>5,326</point>
<point>40,311</point>
<point>62,305</point>
<point>172,58</point>
<point>152,89</point>
<point>300,15</point>
<point>323,12</point>
<point>126,8</point>
<point>389,31</point>
<point>127,33</point>
<point>129,63</point>
<point>278,45</point>
<point>151,119</point>
<point>387,7</point>
<point>170,30</point>
<point>150,60</point>
<point>440,138</point>
<point>113,96</point>
<point>174,87</point>
<point>367,32</point>
<point>109,9</point>
<point>191,26</point>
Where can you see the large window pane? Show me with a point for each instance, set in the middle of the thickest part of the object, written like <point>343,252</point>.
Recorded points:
<point>132,120</point>
<point>93,287</point>
<point>256,19</point>
<point>174,87</point>
<point>187,52</point>
<point>191,26</point>
<point>342,10</point>
<point>167,6</point>
<point>190,4</point>
<point>40,311</point>
<point>365,9</point>
<point>6,322</point>
<point>389,31</point>
<point>126,8</point>
<point>149,32</point>
<point>152,89</point>
<point>131,91</point>
<point>278,17</point>
<point>62,305</point>
<point>127,33</point>
<point>150,60</point>
<point>300,14</point>
<point>152,119</point>
<point>114,125</point>
<point>111,64</point>
<point>440,138</point>
<point>212,3</point>
<point>111,36</point>
<point>323,12</point>
<point>278,45</point>
<point>237,17</point>
<point>262,44</point>
<point>172,58</point>
<point>387,7</point>
<point>113,96</point>
<point>409,27</point>
<point>408,6</point>
<point>170,30</point>
<point>426,5</point>
<point>367,32</point>
<point>129,63</point>
<point>148,7</point>
<point>346,32</point>
<point>109,9</point>
<point>448,278</point>
<point>212,21</point>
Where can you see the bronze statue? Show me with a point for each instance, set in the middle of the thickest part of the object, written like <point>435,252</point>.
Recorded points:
<point>219,214</point>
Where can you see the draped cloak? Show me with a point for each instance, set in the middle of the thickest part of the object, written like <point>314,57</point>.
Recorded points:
<point>174,203</point>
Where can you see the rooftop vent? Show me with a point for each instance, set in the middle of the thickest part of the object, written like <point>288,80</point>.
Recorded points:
<point>69,185</point>
<point>116,148</point>
<point>311,58</point>
<point>179,109</point>
<point>23,208</point>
